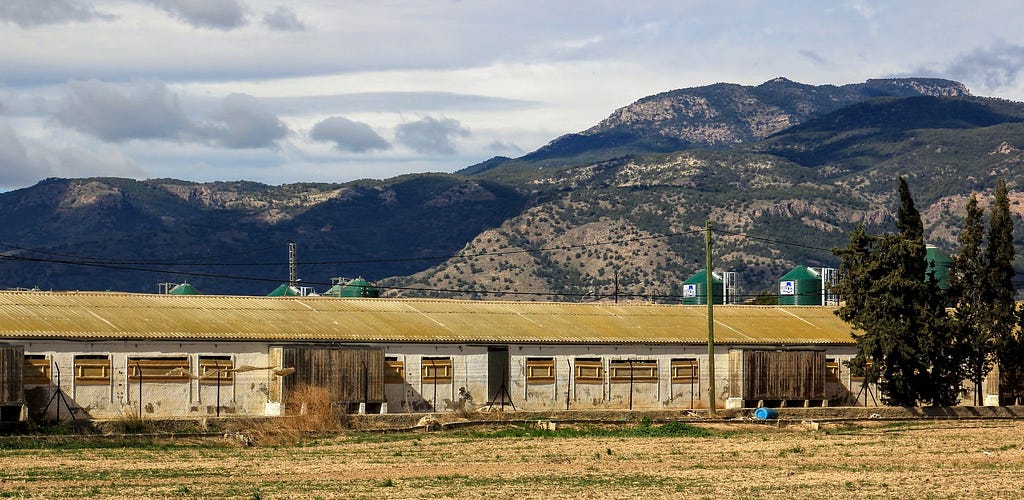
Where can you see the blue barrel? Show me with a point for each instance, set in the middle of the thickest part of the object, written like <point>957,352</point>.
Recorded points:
<point>766,413</point>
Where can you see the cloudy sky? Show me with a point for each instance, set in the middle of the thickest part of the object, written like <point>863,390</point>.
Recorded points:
<point>333,90</point>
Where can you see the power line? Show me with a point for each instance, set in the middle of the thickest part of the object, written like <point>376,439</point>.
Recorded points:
<point>125,265</point>
<point>770,240</point>
<point>130,262</point>
<point>90,260</point>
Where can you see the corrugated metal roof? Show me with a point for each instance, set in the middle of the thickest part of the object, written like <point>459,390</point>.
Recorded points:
<point>99,315</point>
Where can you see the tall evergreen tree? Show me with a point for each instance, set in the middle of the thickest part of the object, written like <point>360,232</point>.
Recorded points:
<point>937,373</point>
<point>906,343</point>
<point>967,290</point>
<point>1000,294</point>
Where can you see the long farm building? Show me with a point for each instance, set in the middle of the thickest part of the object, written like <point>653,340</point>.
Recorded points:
<point>105,355</point>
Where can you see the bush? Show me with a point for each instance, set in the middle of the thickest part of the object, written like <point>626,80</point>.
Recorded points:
<point>308,409</point>
<point>312,408</point>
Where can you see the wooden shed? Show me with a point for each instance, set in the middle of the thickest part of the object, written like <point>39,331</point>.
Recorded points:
<point>12,387</point>
<point>777,377</point>
<point>352,375</point>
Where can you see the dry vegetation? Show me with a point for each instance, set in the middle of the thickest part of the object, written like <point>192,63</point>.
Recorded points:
<point>922,459</point>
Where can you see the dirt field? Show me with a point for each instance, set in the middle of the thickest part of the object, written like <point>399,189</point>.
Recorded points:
<point>873,459</point>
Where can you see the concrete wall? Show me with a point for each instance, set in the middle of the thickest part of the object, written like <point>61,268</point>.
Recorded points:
<point>470,378</point>
<point>465,385</point>
<point>245,393</point>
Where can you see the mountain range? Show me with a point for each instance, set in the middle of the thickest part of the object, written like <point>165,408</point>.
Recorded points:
<point>782,170</point>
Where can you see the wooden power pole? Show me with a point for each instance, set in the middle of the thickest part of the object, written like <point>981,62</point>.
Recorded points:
<point>709,294</point>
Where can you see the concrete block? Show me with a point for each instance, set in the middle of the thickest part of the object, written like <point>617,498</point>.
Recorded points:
<point>547,425</point>
<point>273,409</point>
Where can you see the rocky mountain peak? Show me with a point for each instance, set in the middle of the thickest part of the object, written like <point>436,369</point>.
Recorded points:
<point>717,116</point>
<point>936,87</point>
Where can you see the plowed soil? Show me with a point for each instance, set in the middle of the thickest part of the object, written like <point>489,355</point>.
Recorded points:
<point>867,459</point>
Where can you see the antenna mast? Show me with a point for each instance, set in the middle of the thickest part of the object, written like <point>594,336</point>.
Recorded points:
<point>292,265</point>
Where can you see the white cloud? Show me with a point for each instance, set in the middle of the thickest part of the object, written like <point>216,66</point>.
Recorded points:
<point>15,166</point>
<point>243,122</point>
<point>141,110</point>
<point>131,78</point>
<point>431,135</point>
<point>30,13</point>
<point>348,135</point>
<point>216,14</point>
<point>283,18</point>
<point>503,147</point>
<point>149,110</point>
<point>995,67</point>
<point>24,162</point>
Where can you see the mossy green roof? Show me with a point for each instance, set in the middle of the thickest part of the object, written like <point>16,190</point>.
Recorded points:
<point>97,315</point>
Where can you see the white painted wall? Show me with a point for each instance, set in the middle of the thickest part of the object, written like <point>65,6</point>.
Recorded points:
<point>248,393</point>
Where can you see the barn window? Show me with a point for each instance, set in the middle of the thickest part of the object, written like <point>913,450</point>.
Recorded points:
<point>36,369</point>
<point>832,369</point>
<point>394,370</point>
<point>540,370</point>
<point>159,369</point>
<point>639,370</point>
<point>92,369</point>
<point>589,371</point>
<point>436,370</point>
<point>685,370</point>
<point>212,366</point>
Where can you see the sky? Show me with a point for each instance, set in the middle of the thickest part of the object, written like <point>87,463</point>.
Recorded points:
<point>335,90</point>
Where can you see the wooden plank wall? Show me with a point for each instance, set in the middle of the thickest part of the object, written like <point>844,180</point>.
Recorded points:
<point>783,375</point>
<point>12,367</point>
<point>351,374</point>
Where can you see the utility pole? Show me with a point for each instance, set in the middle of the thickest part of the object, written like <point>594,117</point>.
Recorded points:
<point>616,294</point>
<point>709,294</point>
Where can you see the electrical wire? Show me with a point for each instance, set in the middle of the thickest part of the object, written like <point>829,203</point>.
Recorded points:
<point>126,265</point>
<point>130,262</point>
<point>90,260</point>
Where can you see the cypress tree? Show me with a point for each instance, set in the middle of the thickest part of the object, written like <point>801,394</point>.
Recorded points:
<point>1000,294</point>
<point>859,272</point>
<point>895,302</point>
<point>967,291</point>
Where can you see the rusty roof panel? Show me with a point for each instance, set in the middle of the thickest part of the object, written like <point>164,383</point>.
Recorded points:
<point>99,315</point>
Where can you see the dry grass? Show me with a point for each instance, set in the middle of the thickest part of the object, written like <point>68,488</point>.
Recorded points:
<point>309,410</point>
<point>923,459</point>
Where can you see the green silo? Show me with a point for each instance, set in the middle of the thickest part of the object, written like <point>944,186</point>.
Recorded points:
<point>695,289</point>
<point>938,263</point>
<point>184,289</point>
<point>800,287</point>
<point>359,288</point>
<point>284,291</point>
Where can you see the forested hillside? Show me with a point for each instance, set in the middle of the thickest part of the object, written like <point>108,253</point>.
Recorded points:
<point>783,170</point>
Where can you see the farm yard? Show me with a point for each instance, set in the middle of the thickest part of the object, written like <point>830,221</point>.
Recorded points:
<point>877,458</point>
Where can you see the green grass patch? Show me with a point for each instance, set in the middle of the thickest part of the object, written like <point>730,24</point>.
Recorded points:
<point>644,430</point>
<point>91,443</point>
